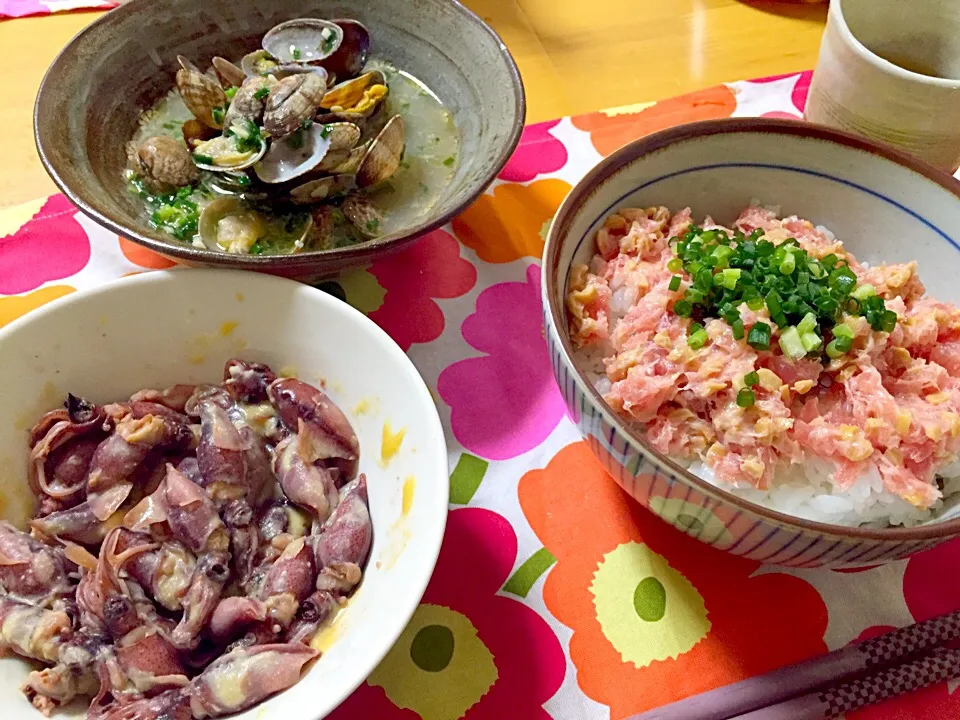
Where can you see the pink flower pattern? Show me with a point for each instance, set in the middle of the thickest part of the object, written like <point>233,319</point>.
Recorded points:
<point>50,246</point>
<point>506,402</point>
<point>427,269</point>
<point>538,152</point>
<point>478,553</point>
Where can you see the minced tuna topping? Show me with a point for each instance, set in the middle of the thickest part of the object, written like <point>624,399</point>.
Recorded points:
<point>757,347</point>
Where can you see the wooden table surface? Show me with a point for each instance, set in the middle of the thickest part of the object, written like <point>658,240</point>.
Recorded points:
<point>575,56</point>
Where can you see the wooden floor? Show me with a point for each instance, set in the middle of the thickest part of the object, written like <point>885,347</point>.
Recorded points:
<point>575,56</point>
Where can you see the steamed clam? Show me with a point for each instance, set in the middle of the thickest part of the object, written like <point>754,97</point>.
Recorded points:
<point>259,62</point>
<point>303,40</point>
<point>227,224</point>
<point>164,164</point>
<point>350,58</point>
<point>249,101</point>
<point>384,156</point>
<point>359,95</point>
<point>229,152</point>
<point>322,189</point>
<point>202,95</point>
<point>292,102</point>
<point>294,156</point>
<point>363,214</point>
<point>228,73</point>
<point>291,146</point>
<point>306,150</point>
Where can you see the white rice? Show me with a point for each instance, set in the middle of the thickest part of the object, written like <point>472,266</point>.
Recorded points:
<point>805,489</point>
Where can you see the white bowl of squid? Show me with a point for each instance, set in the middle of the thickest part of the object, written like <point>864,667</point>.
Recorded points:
<point>225,493</point>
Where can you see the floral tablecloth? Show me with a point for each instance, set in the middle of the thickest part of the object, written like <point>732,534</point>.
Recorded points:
<point>555,595</point>
<point>24,8</point>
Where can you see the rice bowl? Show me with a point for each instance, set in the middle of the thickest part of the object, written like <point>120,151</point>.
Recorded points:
<point>884,206</point>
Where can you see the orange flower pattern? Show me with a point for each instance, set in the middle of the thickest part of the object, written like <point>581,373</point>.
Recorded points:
<point>610,129</point>
<point>656,615</point>
<point>142,257</point>
<point>506,225</point>
<point>628,613</point>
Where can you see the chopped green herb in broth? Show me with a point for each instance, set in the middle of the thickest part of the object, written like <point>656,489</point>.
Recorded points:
<point>423,173</point>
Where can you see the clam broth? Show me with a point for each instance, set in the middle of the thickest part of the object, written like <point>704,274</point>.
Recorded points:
<point>429,161</point>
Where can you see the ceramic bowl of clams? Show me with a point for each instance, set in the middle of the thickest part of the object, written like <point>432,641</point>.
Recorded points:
<point>296,138</point>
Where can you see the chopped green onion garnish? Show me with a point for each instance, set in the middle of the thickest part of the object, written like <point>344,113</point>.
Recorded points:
<point>746,397</point>
<point>230,92</point>
<point>808,324</point>
<point>788,265</point>
<point>730,277</point>
<point>759,336</point>
<point>262,93</point>
<point>203,159</point>
<point>773,303</point>
<point>727,270</point>
<point>683,308</point>
<point>738,331</point>
<point>698,339</point>
<point>791,344</point>
<point>842,330</point>
<point>751,379</point>
<point>833,349</point>
<point>217,113</point>
<point>811,341</point>
<point>722,253</point>
<point>888,321</point>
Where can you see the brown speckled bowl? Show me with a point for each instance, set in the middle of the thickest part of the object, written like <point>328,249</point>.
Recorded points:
<point>94,91</point>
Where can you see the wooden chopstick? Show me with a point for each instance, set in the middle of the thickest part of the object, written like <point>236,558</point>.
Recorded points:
<point>803,678</point>
<point>936,666</point>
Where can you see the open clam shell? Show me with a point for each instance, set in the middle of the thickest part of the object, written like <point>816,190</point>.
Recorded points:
<point>349,59</point>
<point>383,157</point>
<point>195,132</point>
<point>202,95</point>
<point>259,62</point>
<point>234,184</point>
<point>222,154</point>
<point>303,40</point>
<point>348,95</point>
<point>322,189</point>
<point>227,225</point>
<point>289,158</point>
<point>350,161</point>
<point>228,73</point>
